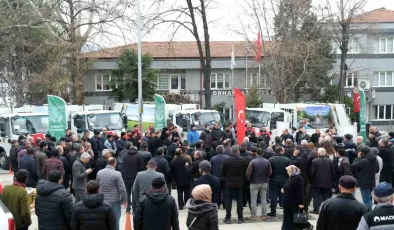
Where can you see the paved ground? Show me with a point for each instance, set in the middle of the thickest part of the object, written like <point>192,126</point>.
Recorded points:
<point>271,224</point>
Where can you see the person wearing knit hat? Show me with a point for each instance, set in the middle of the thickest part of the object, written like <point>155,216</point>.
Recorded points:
<point>156,209</point>
<point>193,136</point>
<point>382,216</point>
<point>203,214</point>
<point>207,178</point>
<point>342,209</point>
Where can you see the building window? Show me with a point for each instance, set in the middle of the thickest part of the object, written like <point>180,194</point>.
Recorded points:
<point>382,112</point>
<point>386,45</point>
<point>162,82</point>
<point>220,80</point>
<point>102,82</point>
<point>254,80</point>
<point>350,81</point>
<point>354,46</point>
<point>382,79</point>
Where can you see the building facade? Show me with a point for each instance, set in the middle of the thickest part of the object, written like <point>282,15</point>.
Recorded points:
<point>370,62</point>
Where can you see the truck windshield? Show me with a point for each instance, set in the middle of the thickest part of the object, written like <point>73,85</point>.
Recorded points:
<point>206,118</point>
<point>111,121</point>
<point>257,118</point>
<point>22,125</point>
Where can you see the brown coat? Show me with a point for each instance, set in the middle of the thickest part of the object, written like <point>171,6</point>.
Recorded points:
<point>52,163</point>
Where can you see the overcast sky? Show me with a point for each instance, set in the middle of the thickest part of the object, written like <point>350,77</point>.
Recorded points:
<point>227,20</point>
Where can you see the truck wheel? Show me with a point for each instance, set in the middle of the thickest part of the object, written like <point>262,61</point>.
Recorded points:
<point>4,161</point>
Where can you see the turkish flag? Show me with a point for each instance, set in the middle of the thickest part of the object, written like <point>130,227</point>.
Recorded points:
<point>240,104</point>
<point>38,135</point>
<point>258,48</point>
<point>356,102</point>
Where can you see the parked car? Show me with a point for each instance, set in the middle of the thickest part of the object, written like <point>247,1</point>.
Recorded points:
<point>6,219</point>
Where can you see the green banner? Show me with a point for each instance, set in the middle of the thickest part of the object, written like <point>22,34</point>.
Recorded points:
<point>363,116</point>
<point>160,112</point>
<point>57,116</point>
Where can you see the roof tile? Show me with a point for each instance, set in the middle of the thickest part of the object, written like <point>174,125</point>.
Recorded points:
<point>381,15</point>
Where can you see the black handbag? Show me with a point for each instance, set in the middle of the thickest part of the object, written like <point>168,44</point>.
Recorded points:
<point>300,218</point>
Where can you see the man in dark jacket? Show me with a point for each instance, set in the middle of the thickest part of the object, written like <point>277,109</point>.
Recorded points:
<point>192,169</point>
<point>212,152</point>
<point>205,136</point>
<point>209,179</point>
<point>289,148</point>
<point>233,170</point>
<point>323,173</point>
<point>156,210</point>
<point>286,136</point>
<point>344,211</point>
<point>173,146</point>
<point>278,177</point>
<point>182,178</point>
<point>67,167</point>
<point>52,163</point>
<point>53,203</point>
<point>315,137</point>
<point>14,156</point>
<point>93,212</point>
<point>155,143</point>
<point>387,156</point>
<point>41,157</point>
<point>133,163</point>
<point>216,165</point>
<point>97,144</point>
<point>146,155</point>
<point>303,136</point>
<point>364,168</point>
<point>217,134</point>
<point>163,166</point>
<point>29,164</point>
<point>101,163</point>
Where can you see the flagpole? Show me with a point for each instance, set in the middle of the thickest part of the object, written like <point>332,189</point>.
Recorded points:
<point>246,62</point>
<point>232,77</point>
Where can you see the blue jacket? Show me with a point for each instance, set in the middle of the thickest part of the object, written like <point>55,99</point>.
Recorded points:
<point>193,136</point>
<point>216,165</point>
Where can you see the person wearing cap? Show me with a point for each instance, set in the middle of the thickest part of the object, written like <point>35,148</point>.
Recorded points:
<point>364,168</point>
<point>209,179</point>
<point>382,217</point>
<point>80,176</point>
<point>97,144</point>
<point>343,212</point>
<point>203,214</point>
<point>193,136</point>
<point>156,209</point>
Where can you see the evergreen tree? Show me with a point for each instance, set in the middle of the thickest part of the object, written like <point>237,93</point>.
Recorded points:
<point>253,98</point>
<point>124,79</point>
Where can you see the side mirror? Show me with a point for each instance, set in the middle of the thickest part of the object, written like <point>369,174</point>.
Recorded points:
<point>78,123</point>
<point>2,127</point>
<point>79,130</point>
<point>3,134</point>
<point>125,120</point>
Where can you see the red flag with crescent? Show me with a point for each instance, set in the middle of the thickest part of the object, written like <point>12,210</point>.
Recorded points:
<point>240,105</point>
<point>356,101</point>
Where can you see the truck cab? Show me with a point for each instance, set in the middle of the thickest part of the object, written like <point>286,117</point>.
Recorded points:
<point>265,117</point>
<point>185,118</point>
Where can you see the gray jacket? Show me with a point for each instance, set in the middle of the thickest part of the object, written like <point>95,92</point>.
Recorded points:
<point>111,184</point>
<point>363,225</point>
<point>80,177</point>
<point>143,183</point>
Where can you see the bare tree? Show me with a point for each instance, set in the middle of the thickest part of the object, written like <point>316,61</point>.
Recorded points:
<point>75,23</point>
<point>189,17</point>
<point>341,16</point>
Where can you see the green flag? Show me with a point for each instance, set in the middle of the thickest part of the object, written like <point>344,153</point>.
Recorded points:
<point>57,116</point>
<point>363,114</point>
<point>160,112</point>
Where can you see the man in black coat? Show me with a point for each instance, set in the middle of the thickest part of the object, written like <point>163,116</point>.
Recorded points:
<point>156,210</point>
<point>302,135</point>
<point>53,203</point>
<point>163,167</point>
<point>155,144</point>
<point>364,168</point>
<point>93,212</point>
<point>173,146</point>
<point>289,148</point>
<point>387,156</point>
<point>182,178</point>
<point>315,137</point>
<point>192,169</point>
<point>343,212</point>
<point>97,144</point>
<point>205,136</point>
<point>101,163</point>
<point>322,172</point>
<point>278,177</point>
<point>233,170</point>
<point>209,179</point>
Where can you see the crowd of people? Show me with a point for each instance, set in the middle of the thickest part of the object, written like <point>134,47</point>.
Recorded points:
<point>82,182</point>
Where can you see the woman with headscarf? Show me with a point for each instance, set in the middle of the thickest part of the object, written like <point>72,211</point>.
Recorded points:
<point>293,199</point>
<point>203,214</point>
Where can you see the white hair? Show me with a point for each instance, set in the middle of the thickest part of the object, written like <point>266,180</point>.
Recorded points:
<point>321,152</point>
<point>105,152</point>
<point>246,139</point>
<point>304,143</point>
<point>327,138</point>
<point>360,138</point>
<point>384,200</point>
